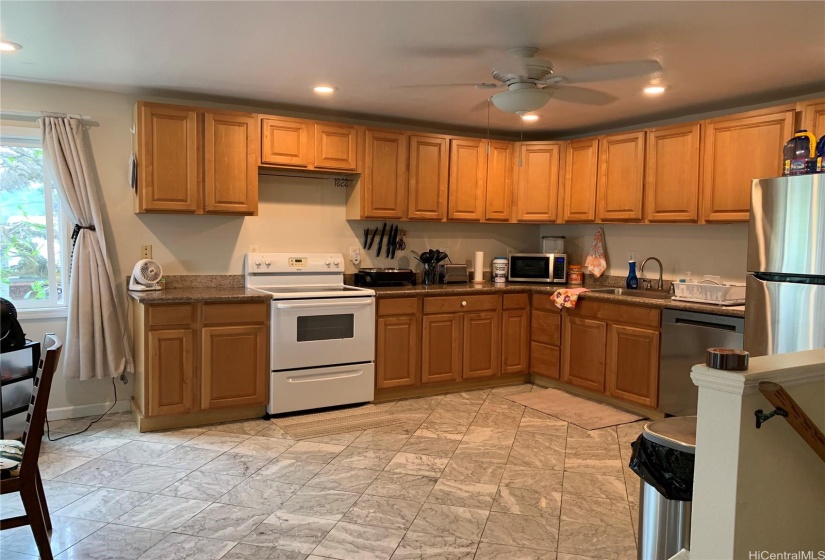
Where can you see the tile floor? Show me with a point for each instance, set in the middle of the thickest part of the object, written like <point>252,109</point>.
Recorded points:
<point>467,476</point>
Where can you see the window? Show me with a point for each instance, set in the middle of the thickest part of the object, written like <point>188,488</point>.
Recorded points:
<point>32,236</point>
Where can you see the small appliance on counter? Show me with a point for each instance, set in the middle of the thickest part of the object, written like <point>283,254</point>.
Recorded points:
<point>547,268</point>
<point>453,274</point>
<point>552,244</point>
<point>375,277</point>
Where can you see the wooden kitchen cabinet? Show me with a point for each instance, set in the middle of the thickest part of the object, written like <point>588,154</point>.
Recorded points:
<point>580,178</point>
<point>336,147</point>
<point>633,364</point>
<point>813,116</point>
<point>382,191</point>
<point>397,347</point>
<point>468,171</point>
<point>428,176</point>
<point>672,174</point>
<point>537,198</point>
<point>584,352</point>
<point>482,341</point>
<point>286,142</point>
<point>195,161</point>
<point>621,177</point>
<point>498,194</point>
<point>545,337</point>
<point>442,343</point>
<point>736,150</point>
<point>200,362</point>
<point>515,334</point>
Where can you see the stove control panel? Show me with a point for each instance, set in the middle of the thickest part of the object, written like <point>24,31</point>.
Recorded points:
<point>292,263</point>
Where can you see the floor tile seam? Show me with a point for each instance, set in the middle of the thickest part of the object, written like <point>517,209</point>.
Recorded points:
<point>481,538</point>
<point>151,495</point>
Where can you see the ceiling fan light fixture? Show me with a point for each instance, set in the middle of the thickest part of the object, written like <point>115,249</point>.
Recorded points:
<point>528,117</point>
<point>654,90</point>
<point>324,90</point>
<point>8,46</point>
<point>524,100</point>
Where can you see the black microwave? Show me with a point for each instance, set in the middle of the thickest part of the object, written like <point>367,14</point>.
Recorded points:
<point>550,268</point>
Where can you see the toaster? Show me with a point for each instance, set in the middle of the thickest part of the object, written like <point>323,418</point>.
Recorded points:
<point>453,273</point>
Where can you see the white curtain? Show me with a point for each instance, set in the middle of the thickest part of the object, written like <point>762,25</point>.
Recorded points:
<point>96,340</point>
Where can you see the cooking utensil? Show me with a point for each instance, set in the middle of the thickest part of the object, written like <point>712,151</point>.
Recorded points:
<point>366,236</point>
<point>426,257</point>
<point>389,241</point>
<point>372,239</point>
<point>381,240</point>
<point>394,242</point>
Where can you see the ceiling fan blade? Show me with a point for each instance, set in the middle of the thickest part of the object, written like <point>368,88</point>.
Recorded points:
<point>612,71</point>
<point>583,96</point>
<point>477,85</point>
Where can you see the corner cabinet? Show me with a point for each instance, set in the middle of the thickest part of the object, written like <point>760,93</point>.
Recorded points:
<point>195,161</point>
<point>813,117</point>
<point>200,362</point>
<point>738,149</point>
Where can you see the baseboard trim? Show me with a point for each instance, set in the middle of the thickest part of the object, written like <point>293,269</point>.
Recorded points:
<point>67,412</point>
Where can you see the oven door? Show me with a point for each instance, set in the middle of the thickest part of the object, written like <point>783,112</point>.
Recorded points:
<point>322,332</point>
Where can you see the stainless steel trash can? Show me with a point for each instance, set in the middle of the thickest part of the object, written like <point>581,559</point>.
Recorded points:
<point>664,523</point>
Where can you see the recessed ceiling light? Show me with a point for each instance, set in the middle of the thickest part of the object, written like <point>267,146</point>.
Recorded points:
<point>8,46</point>
<point>654,90</point>
<point>530,118</point>
<point>324,90</point>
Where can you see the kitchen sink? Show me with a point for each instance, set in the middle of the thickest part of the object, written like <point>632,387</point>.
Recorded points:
<point>650,294</point>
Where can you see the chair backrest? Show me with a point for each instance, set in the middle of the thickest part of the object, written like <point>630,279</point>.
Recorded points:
<point>36,416</point>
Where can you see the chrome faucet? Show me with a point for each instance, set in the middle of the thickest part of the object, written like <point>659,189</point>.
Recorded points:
<point>660,285</point>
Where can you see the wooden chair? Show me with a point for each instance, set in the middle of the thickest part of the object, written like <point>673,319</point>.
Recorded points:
<point>24,476</point>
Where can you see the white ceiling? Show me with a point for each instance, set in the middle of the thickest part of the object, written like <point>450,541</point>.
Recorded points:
<point>715,54</point>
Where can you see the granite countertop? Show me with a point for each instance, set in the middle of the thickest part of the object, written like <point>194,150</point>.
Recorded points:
<point>199,294</point>
<point>490,287</point>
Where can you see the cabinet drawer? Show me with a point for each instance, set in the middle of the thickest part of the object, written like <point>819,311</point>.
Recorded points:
<point>545,327</point>
<point>400,306</point>
<point>544,302</point>
<point>223,313</point>
<point>515,301</point>
<point>165,315</point>
<point>455,304</point>
<point>617,313</point>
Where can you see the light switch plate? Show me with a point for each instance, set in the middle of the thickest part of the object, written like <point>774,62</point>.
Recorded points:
<point>145,251</point>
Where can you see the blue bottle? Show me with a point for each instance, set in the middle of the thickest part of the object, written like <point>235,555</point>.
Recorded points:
<point>632,280</point>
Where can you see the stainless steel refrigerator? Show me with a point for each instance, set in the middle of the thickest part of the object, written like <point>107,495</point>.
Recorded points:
<point>785,299</point>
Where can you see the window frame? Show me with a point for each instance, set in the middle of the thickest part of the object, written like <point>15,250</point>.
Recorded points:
<point>61,232</point>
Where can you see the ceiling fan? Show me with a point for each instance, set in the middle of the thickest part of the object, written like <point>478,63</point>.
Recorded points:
<point>531,83</point>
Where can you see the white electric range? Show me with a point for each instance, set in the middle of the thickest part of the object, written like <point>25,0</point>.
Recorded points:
<point>322,341</point>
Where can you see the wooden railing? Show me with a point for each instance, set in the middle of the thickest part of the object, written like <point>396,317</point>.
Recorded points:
<point>796,417</point>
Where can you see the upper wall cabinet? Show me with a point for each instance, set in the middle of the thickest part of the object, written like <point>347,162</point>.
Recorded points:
<point>813,116</point>
<point>304,144</point>
<point>428,176</point>
<point>381,193</point>
<point>498,199</point>
<point>738,149</point>
<point>195,161</point>
<point>621,177</point>
<point>537,198</point>
<point>581,170</point>
<point>468,171</point>
<point>672,174</point>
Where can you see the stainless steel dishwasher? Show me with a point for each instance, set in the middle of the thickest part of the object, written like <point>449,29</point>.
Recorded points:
<point>685,337</point>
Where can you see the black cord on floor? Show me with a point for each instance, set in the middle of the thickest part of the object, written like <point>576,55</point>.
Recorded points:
<point>48,435</point>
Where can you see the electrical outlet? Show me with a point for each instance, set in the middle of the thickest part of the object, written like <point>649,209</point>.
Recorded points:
<point>253,249</point>
<point>355,255</point>
<point>145,251</point>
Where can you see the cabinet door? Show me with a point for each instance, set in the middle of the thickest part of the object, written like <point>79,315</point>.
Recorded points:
<point>428,174</point>
<point>286,142</point>
<point>515,341</point>
<point>230,164</point>
<point>396,352</point>
<point>813,117</point>
<point>621,177</point>
<point>467,175</point>
<point>538,182</point>
<point>441,345</point>
<point>169,157</point>
<point>581,169</point>
<point>498,197</point>
<point>633,364</point>
<point>171,373</point>
<point>336,146</point>
<point>583,354</point>
<point>482,339</point>
<point>672,174</point>
<point>233,366</point>
<point>384,177</point>
<point>736,151</point>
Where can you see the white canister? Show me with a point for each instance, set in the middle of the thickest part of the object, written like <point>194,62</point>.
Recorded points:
<point>499,269</point>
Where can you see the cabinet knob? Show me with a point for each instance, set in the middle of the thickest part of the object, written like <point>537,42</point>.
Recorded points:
<point>463,304</point>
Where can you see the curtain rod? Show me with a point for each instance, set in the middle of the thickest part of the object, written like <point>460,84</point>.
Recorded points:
<point>36,115</point>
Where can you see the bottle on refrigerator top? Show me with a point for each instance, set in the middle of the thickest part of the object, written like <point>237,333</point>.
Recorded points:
<point>820,155</point>
<point>632,280</point>
<point>799,154</point>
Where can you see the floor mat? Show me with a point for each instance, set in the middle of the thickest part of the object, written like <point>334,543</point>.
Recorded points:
<point>576,410</point>
<point>304,426</point>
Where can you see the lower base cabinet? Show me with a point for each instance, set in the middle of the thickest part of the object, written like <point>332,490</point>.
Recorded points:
<point>515,334</point>
<point>633,364</point>
<point>545,337</point>
<point>397,346</point>
<point>442,348</point>
<point>199,357</point>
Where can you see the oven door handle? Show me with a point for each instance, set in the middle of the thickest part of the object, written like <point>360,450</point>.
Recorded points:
<point>355,303</point>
